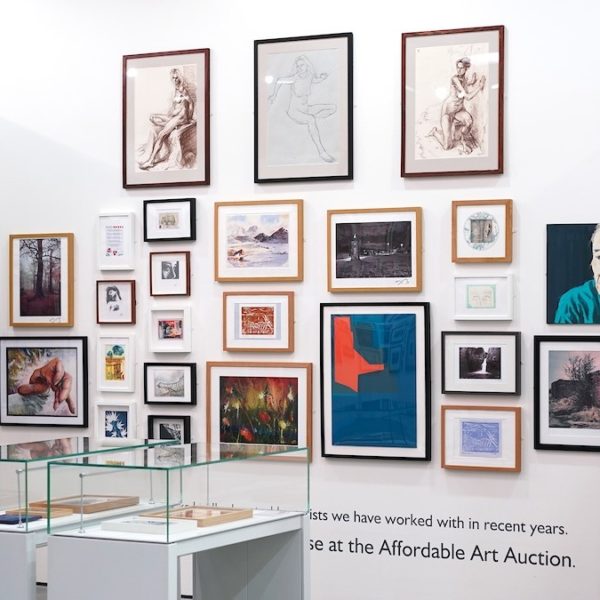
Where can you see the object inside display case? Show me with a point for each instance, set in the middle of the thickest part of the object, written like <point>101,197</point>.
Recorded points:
<point>88,503</point>
<point>206,516</point>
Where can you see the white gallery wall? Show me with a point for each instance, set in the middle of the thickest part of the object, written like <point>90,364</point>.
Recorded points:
<point>60,166</point>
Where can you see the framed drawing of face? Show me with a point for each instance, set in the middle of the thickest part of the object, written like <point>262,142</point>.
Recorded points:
<point>170,273</point>
<point>115,302</point>
<point>170,383</point>
<point>166,108</point>
<point>452,102</point>
<point>170,220</point>
<point>116,241</point>
<point>483,298</point>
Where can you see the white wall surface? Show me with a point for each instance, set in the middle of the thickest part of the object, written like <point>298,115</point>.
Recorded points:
<point>60,165</point>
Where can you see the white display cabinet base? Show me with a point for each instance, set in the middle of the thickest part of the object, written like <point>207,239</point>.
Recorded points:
<point>17,566</point>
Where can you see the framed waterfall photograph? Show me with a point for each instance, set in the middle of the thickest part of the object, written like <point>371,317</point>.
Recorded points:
<point>453,102</point>
<point>303,108</point>
<point>166,118</point>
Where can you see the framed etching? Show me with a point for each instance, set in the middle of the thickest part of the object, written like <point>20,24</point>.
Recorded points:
<point>375,380</point>
<point>259,240</point>
<point>453,102</point>
<point>116,240</point>
<point>258,321</point>
<point>115,302</point>
<point>482,231</point>
<point>259,403</point>
<point>171,329</point>
<point>483,298</point>
<point>481,438</point>
<point>41,280</point>
<point>44,381</point>
<point>170,273</point>
<point>374,249</point>
<point>170,383</point>
<point>566,392</point>
<point>166,124</point>
<point>303,108</point>
<point>115,423</point>
<point>169,427</point>
<point>116,364</point>
<point>170,220</point>
<point>573,274</point>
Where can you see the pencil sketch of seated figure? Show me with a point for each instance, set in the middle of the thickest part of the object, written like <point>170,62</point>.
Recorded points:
<point>299,109</point>
<point>172,142</point>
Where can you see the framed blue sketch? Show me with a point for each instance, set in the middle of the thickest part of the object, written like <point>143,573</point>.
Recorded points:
<point>375,380</point>
<point>481,438</point>
<point>115,423</point>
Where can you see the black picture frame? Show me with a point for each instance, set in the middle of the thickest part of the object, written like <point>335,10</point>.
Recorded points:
<point>184,419</point>
<point>148,204</point>
<point>193,383</point>
<point>329,167</point>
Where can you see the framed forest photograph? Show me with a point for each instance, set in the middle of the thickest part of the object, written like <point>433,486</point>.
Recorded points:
<point>41,280</point>
<point>453,102</point>
<point>166,124</point>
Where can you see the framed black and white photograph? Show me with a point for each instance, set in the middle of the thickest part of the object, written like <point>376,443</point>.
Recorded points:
<point>483,298</point>
<point>170,220</point>
<point>115,423</point>
<point>374,249</point>
<point>170,273</point>
<point>170,383</point>
<point>116,241</point>
<point>481,362</point>
<point>303,108</point>
<point>115,302</point>
<point>166,118</point>
<point>170,329</point>
<point>169,427</point>
<point>452,102</point>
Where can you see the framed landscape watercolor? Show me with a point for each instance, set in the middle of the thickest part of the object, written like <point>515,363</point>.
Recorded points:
<point>170,273</point>
<point>116,240</point>
<point>481,362</point>
<point>44,381</point>
<point>115,423</point>
<point>303,108</point>
<point>481,438</point>
<point>259,240</point>
<point>166,118</point>
<point>170,220</point>
<point>115,302</point>
<point>374,249</point>
<point>41,280</point>
<point>566,392</point>
<point>170,383</point>
<point>375,380</point>
<point>453,102</point>
<point>259,403</point>
<point>573,274</point>
<point>116,364</point>
<point>171,329</point>
<point>482,231</point>
<point>258,321</point>
<point>169,427</point>
<point>483,298</point>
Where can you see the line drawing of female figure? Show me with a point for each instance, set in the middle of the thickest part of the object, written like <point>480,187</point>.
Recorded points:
<point>179,115</point>
<point>455,121</point>
<point>299,108</point>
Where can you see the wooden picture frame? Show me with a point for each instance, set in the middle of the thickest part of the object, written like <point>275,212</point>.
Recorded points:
<point>453,102</point>
<point>275,253</point>
<point>116,241</point>
<point>172,384</point>
<point>204,516</point>
<point>116,363</point>
<point>374,250</point>
<point>115,302</point>
<point>46,298</point>
<point>92,503</point>
<point>258,321</point>
<point>481,438</point>
<point>482,231</point>
<point>170,273</point>
<point>169,427</point>
<point>172,152</point>
<point>306,134</point>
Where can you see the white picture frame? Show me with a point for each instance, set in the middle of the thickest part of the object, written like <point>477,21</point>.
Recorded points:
<point>115,363</point>
<point>116,241</point>
<point>483,298</point>
<point>116,423</point>
<point>170,329</point>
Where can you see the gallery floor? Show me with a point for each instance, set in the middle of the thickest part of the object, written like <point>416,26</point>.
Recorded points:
<point>42,593</point>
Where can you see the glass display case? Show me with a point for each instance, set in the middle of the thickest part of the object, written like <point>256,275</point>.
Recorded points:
<point>177,492</point>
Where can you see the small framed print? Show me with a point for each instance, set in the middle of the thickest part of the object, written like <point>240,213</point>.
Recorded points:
<point>376,249</point>
<point>483,298</point>
<point>566,392</point>
<point>41,280</point>
<point>453,102</point>
<point>115,302</point>
<point>482,231</point>
<point>169,427</point>
<point>116,364</point>
<point>116,239</point>
<point>259,240</point>
<point>29,370</point>
<point>170,273</point>
<point>481,362</point>
<point>258,321</point>
<point>115,423</point>
<point>166,125</point>
<point>170,220</point>
<point>481,438</point>
<point>170,383</point>
<point>303,108</point>
<point>171,329</point>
